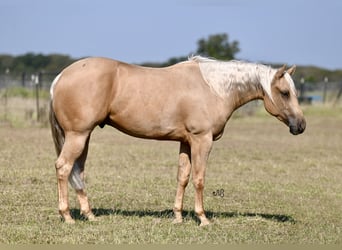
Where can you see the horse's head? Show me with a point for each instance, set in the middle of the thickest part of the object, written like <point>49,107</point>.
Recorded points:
<point>284,103</point>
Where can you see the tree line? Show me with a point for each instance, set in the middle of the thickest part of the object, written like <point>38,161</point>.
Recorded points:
<point>216,46</point>
<point>33,63</point>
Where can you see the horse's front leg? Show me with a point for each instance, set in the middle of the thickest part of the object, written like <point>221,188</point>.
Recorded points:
<point>183,175</point>
<point>200,149</point>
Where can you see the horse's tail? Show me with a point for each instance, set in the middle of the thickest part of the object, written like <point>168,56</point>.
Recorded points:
<point>56,130</point>
<point>58,137</point>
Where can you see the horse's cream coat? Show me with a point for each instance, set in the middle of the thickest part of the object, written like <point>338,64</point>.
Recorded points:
<point>189,102</point>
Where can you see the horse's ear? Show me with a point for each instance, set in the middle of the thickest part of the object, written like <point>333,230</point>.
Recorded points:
<point>280,72</point>
<point>291,70</point>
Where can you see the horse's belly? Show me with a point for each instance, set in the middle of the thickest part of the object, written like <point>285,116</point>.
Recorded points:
<point>145,125</point>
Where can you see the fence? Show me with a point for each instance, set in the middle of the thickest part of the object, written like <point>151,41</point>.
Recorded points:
<point>24,98</point>
<point>321,92</point>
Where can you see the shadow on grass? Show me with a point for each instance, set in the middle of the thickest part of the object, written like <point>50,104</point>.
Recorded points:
<point>168,213</point>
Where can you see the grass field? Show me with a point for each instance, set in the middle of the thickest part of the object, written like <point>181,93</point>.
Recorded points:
<point>274,187</point>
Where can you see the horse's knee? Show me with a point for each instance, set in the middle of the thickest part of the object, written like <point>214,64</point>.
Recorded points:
<point>198,183</point>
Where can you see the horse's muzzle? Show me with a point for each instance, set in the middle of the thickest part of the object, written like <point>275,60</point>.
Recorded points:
<point>297,126</point>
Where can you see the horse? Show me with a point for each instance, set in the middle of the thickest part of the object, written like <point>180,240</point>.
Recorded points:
<point>189,102</point>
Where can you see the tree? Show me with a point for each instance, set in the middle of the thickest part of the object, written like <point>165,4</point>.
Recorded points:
<point>32,63</point>
<point>218,46</point>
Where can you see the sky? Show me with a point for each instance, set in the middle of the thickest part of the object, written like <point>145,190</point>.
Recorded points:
<point>302,32</point>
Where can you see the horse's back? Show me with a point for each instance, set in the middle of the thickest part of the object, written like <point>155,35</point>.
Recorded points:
<point>90,67</point>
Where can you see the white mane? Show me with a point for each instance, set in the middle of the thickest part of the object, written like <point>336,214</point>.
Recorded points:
<point>221,76</point>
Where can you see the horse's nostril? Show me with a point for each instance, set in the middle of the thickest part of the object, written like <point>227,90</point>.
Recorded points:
<point>297,127</point>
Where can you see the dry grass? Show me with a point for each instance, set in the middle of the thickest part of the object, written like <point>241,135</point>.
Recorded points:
<point>278,188</point>
<point>24,107</point>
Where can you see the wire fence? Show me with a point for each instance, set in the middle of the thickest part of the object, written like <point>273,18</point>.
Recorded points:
<point>24,98</point>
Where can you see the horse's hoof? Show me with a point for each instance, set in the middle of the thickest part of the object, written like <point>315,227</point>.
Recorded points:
<point>69,221</point>
<point>91,217</point>
<point>204,223</point>
<point>177,221</point>
<point>66,218</point>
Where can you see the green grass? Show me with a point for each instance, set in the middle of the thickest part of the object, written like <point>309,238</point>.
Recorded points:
<point>278,188</point>
<point>23,92</point>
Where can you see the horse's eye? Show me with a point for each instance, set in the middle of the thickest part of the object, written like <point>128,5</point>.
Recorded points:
<point>285,94</point>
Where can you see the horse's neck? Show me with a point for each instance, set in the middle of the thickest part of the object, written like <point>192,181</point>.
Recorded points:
<point>242,92</point>
<point>238,82</point>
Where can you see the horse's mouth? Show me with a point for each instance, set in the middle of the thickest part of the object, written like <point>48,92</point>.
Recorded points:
<point>298,127</point>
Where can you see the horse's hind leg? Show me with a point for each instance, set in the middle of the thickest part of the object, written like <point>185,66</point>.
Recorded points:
<point>183,175</point>
<point>72,149</point>
<point>77,181</point>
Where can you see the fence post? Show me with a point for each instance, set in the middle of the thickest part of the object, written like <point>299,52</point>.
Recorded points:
<point>338,95</point>
<point>35,81</point>
<point>301,90</point>
<point>23,78</point>
<point>325,89</point>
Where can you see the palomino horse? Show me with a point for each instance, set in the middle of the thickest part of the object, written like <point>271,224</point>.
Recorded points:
<point>189,102</point>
